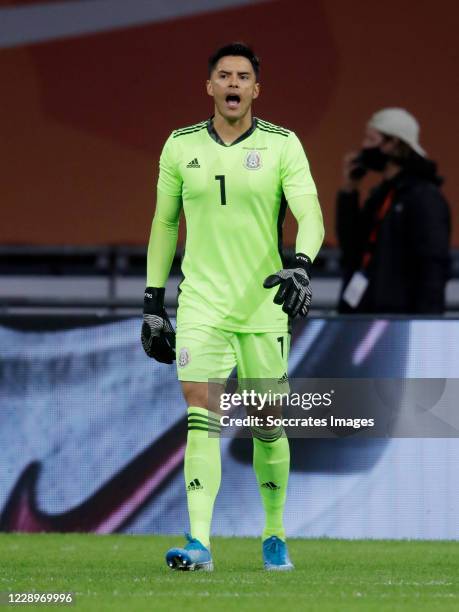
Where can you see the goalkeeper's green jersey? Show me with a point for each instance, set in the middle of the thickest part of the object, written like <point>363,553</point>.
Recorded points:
<point>234,200</point>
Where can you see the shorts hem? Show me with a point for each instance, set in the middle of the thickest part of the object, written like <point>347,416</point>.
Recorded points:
<point>198,378</point>
<point>235,330</point>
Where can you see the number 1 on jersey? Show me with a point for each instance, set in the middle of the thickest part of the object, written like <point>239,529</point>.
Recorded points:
<point>221,178</point>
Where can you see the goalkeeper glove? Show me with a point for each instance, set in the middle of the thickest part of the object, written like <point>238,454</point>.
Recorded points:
<point>158,336</point>
<point>294,291</point>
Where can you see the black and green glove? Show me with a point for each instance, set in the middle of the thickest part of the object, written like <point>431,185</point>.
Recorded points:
<point>158,335</point>
<point>294,292</point>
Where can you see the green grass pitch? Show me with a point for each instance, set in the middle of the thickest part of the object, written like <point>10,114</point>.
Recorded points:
<point>128,573</point>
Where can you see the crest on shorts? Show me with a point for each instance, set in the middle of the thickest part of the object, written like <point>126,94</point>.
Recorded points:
<point>184,357</point>
<point>252,160</point>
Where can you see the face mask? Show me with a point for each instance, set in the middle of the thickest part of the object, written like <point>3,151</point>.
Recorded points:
<point>372,158</point>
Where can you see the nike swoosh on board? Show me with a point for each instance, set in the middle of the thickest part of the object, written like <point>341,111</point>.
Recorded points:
<point>113,505</point>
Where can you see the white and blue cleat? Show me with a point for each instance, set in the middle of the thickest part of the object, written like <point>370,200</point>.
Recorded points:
<point>194,556</point>
<point>275,555</point>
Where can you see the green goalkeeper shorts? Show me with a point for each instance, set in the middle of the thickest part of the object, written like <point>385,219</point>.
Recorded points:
<point>206,353</point>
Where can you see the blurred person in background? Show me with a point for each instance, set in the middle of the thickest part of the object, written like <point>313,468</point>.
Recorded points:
<point>394,246</point>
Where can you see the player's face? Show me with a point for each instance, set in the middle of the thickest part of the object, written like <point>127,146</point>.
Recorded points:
<point>233,87</point>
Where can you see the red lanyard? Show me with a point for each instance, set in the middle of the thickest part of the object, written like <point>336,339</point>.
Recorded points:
<point>382,212</point>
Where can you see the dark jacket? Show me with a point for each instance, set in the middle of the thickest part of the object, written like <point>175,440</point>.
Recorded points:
<point>409,264</point>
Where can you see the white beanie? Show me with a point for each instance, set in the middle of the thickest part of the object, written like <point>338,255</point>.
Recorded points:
<point>399,123</point>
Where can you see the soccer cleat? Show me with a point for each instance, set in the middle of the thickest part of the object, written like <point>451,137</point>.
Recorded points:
<point>195,556</point>
<point>275,555</point>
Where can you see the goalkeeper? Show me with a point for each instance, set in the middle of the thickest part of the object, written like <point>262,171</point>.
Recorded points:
<point>233,175</point>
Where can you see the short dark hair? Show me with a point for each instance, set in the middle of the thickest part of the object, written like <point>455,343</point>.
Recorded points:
<point>237,49</point>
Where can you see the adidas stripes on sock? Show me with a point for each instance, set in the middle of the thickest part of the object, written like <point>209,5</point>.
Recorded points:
<point>271,462</point>
<point>202,470</point>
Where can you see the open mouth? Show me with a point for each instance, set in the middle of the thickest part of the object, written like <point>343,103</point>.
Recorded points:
<point>233,101</point>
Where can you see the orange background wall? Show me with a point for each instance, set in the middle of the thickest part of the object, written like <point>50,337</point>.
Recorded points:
<point>83,120</point>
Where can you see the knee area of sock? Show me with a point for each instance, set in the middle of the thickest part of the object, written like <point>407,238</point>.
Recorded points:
<point>267,436</point>
<point>203,426</point>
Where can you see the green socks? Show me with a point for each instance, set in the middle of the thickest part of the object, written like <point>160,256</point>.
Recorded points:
<point>271,462</point>
<point>202,470</point>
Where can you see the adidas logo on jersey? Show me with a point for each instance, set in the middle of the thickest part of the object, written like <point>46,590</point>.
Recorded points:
<point>283,378</point>
<point>193,163</point>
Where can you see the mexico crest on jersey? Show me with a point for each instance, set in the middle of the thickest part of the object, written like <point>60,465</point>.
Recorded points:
<point>252,160</point>
<point>184,357</point>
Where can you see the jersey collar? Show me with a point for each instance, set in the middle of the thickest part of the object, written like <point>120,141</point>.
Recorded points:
<point>213,134</point>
